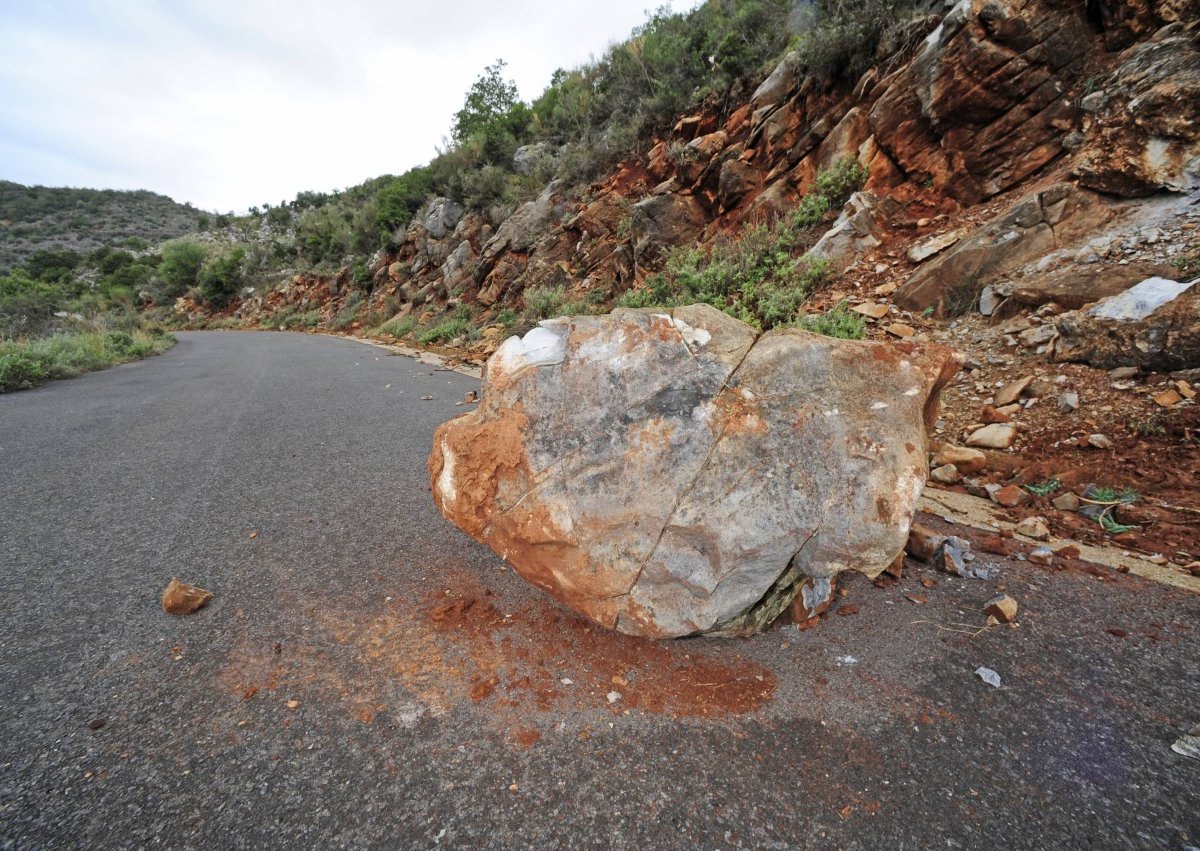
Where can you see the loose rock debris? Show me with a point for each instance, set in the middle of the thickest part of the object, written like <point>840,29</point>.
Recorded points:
<point>1002,607</point>
<point>179,598</point>
<point>948,553</point>
<point>1189,745</point>
<point>988,676</point>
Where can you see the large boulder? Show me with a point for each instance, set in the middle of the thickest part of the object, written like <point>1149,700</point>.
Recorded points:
<point>779,83</point>
<point>1153,325</point>
<point>674,473</point>
<point>859,228</point>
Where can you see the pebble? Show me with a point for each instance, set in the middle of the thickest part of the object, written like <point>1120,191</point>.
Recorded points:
<point>1010,496</point>
<point>994,436</point>
<point>1066,502</point>
<point>947,474</point>
<point>1002,607</point>
<point>1068,402</point>
<point>1033,527</point>
<point>988,676</point>
<point>1041,555</point>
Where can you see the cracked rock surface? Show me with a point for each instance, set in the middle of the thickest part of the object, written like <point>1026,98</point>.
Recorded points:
<point>675,473</point>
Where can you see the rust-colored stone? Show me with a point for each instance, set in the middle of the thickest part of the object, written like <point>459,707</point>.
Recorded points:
<point>179,598</point>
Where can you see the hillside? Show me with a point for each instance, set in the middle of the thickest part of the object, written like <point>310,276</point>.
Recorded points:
<point>34,218</point>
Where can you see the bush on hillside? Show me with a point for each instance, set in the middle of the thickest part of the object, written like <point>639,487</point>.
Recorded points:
<point>221,278</point>
<point>179,270</point>
<point>851,35</point>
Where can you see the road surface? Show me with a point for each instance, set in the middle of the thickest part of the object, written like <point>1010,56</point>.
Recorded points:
<point>366,676</point>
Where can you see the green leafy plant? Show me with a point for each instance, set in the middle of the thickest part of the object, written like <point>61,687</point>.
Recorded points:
<point>1109,499</point>
<point>1044,488</point>
<point>399,327</point>
<point>1111,496</point>
<point>840,322</point>
<point>1150,427</point>
<point>1111,526</point>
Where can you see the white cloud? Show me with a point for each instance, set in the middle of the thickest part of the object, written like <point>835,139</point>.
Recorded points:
<point>228,104</point>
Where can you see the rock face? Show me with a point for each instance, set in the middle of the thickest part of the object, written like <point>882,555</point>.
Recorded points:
<point>1154,325</point>
<point>980,106</point>
<point>668,474</point>
<point>857,230</point>
<point>1143,128</point>
<point>1034,226</point>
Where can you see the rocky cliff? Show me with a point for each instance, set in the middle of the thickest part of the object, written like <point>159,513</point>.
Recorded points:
<point>1008,130</point>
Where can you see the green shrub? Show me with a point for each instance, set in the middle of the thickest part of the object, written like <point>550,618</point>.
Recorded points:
<point>492,116</point>
<point>543,302</point>
<point>400,199</point>
<point>179,269</point>
<point>852,35</point>
<point>119,342</point>
<point>361,275</point>
<point>19,371</point>
<point>756,277</point>
<point>456,324</point>
<point>27,364</point>
<point>445,331</point>
<point>839,322</point>
<point>27,305</point>
<point>831,189</point>
<point>222,278</point>
<point>346,316</point>
<point>400,327</point>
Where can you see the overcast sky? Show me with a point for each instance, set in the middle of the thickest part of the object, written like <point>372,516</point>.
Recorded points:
<point>232,103</point>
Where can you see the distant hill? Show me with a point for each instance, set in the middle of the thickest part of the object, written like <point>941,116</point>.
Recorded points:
<point>41,217</point>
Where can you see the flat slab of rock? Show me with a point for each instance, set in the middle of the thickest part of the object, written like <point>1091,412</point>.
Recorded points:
<point>1153,325</point>
<point>675,473</point>
<point>994,436</point>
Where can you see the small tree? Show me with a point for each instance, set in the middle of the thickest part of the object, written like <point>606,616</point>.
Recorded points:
<point>492,115</point>
<point>488,100</point>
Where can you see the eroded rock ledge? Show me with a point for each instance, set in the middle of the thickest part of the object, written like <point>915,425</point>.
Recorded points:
<point>675,473</point>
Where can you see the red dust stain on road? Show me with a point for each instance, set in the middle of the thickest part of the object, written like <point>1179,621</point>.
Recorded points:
<point>544,657</point>
<point>527,738</point>
<point>512,656</point>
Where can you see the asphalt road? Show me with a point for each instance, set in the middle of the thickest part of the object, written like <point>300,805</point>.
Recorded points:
<point>366,676</point>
